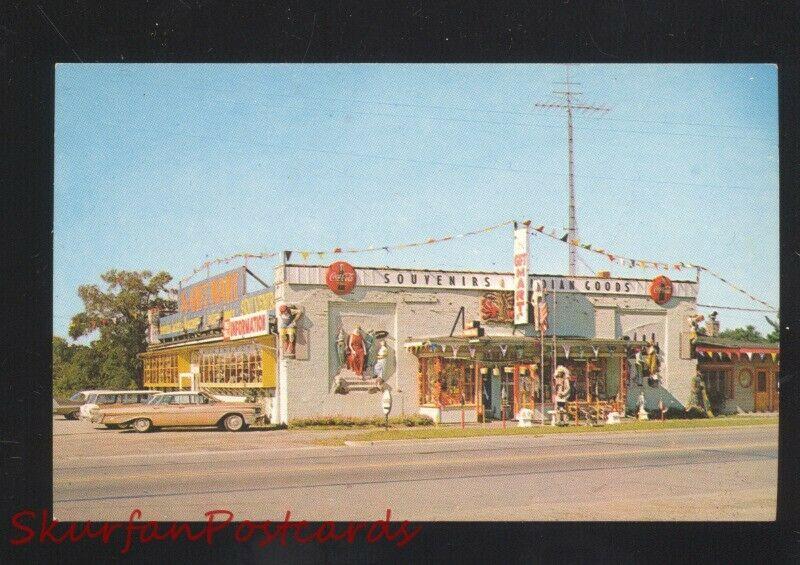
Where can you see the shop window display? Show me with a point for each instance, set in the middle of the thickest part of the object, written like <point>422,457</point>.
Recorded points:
<point>161,370</point>
<point>241,365</point>
<point>444,381</point>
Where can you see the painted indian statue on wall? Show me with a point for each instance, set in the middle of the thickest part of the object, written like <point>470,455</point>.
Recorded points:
<point>362,353</point>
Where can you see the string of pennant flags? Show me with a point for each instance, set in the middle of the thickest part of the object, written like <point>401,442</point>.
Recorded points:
<point>643,263</point>
<point>615,258</point>
<point>305,255</point>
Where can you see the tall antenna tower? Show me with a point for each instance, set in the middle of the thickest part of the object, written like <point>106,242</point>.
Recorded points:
<point>567,104</point>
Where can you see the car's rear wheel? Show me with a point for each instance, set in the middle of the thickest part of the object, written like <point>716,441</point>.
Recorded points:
<point>142,425</point>
<point>72,415</point>
<point>234,422</point>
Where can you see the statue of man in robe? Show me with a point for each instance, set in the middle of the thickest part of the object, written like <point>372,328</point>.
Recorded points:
<point>356,351</point>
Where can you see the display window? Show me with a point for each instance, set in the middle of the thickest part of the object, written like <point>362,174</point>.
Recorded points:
<point>446,381</point>
<point>161,370</point>
<point>229,365</point>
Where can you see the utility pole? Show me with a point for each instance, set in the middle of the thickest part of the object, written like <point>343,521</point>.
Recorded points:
<point>570,106</point>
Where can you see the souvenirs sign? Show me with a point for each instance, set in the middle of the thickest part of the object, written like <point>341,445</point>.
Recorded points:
<point>341,278</point>
<point>470,280</point>
<point>522,236</point>
<point>660,290</point>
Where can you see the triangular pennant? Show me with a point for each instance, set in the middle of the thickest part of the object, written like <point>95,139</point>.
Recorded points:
<point>304,255</point>
<point>774,356</point>
<point>337,249</point>
<point>595,350</point>
<point>750,355</point>
<point>540,229</point>
<point>566,351</point>
<point>761,355</point>
<point>455,350</point>
<point>472,351</point>
<point>503,349</point>
<point>565,238</point>
<point>286,256</point>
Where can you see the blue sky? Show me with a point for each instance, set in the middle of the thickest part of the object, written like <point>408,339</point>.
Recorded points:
<point>161,167</point>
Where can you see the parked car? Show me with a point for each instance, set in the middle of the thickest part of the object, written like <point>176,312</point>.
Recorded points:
<point>181,409</point>
<point>70,407</point>
<point>115,397</point>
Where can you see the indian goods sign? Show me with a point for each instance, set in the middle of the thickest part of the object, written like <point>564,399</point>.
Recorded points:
<point>341,278</point>
<point>485,281</point>
<point>522,236</point>
<point>219,289</point>
<point>249,325</point>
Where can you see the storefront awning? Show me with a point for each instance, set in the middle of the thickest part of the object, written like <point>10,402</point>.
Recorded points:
<point>513,347</point>
<point>729,353</point>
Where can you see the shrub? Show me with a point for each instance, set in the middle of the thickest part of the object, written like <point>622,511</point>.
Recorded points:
<point>411,420</point>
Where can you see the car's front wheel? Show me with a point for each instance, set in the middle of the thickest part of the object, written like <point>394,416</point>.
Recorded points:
<point>234,422</point>
<point>142,425</point>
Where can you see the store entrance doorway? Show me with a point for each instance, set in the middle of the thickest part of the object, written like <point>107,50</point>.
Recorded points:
<point>766,391</point>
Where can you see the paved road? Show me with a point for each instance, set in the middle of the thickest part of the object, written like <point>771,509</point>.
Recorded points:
<point>706,474</point>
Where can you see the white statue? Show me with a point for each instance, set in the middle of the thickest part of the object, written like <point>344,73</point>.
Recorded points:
<point>380,363</point>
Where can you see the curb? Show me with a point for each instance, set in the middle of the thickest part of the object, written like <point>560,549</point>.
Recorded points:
<point>360,443</point>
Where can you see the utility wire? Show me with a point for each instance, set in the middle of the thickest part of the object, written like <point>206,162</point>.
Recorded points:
<point>736,308</point>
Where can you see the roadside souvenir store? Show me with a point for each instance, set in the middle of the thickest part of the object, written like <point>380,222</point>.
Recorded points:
<point>221,340</point>
<point>356,331</point>
<point>494,378</point>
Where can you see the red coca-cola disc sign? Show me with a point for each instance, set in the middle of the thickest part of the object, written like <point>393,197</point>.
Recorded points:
<point>341,278</point>
<point>661,289</point>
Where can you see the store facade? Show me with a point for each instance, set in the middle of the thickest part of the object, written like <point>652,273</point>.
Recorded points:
<point>348,332</point>
<point>739,376</point>
<point>221,340</point>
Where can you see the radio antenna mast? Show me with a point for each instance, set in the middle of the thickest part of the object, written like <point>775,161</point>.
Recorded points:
<point>570,106</point>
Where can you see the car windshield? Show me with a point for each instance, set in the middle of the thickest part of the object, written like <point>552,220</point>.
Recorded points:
<point>106,399</point>
<point>78,397</point>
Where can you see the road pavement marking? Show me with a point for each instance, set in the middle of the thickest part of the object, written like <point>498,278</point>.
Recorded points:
<point>426,462</point>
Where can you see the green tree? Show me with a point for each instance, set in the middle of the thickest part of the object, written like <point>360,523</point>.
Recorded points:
<point>118,316</point>
<point>748,333</point>
<point>75,367</point>
<point>775,335</point>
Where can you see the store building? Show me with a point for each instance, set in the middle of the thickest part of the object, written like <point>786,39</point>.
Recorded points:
<point>740,376</point>
<point>348,332</point>
<point>221,340</point>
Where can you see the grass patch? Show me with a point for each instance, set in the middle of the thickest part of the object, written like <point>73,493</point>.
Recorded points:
<point>457,432</point>
<point>349,422</point>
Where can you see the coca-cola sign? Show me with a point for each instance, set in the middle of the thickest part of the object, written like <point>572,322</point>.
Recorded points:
<point>341,278</point>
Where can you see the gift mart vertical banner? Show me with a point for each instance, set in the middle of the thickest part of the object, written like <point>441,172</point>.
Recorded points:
<point>522,234</point>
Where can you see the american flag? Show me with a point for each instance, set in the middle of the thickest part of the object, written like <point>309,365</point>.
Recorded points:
<point>543,316</point>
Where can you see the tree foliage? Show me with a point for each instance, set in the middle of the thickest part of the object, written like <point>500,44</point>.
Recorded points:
<point>117,317</point>
<point>747,333</point>
<point>775,335</point>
